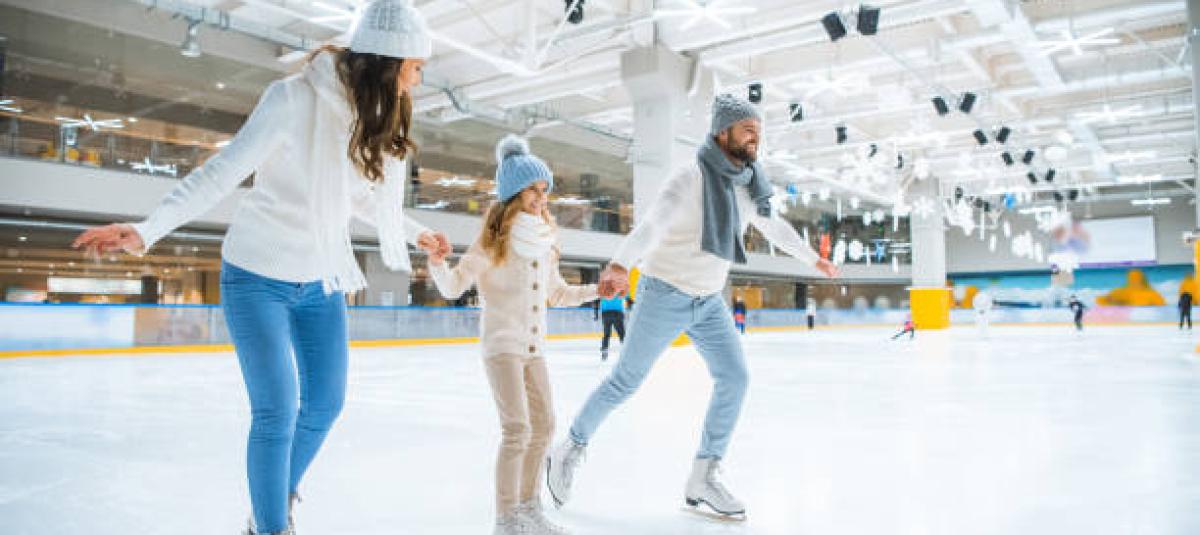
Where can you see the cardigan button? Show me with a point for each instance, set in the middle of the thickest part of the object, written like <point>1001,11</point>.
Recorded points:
<point>532,349</point>
<point>535,263</point>
<point>535,308</point>
<point>533,330</point>
<point>535,286</point>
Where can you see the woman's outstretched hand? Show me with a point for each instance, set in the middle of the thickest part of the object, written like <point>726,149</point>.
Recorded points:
<point>97,241</point>
<point>436,245</point>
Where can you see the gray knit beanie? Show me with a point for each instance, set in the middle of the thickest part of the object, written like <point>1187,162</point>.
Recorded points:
<point>728,109</point>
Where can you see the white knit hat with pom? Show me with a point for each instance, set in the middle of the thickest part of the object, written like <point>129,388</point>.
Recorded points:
<point>392,28</point>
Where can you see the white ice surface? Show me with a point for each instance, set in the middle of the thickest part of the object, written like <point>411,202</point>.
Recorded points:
<point>1035,430</point>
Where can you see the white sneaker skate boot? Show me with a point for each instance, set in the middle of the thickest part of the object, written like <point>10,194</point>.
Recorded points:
<point>293,499</point>
<point>705,487</point>
<point>560,469</point>
<point>532,513</point>
<point>513,524</point>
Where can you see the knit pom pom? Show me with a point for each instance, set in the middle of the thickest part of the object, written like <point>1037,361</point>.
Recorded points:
<point>511,145</point>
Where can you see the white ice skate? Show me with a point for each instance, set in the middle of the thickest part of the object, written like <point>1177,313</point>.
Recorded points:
<point>293,499</point>
<point>533,516</point>
<point>704,487</point>
<point>513,524</point>
<point>560,469</point>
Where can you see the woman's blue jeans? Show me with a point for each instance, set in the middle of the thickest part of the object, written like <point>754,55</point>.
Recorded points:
<point>293,346</point>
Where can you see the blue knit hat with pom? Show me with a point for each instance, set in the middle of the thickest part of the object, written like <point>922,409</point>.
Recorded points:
<point>517,169</point>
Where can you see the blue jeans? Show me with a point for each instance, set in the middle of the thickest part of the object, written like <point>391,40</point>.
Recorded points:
<point>285,333</point>
<point>661,313</point>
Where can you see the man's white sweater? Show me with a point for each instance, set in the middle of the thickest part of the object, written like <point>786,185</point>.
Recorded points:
<point>666,242</point>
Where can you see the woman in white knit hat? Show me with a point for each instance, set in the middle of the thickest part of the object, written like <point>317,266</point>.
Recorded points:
<point>288,259</point>
<point>515,265</point>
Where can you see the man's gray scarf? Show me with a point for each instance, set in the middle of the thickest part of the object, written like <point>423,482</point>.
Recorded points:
<point>722,226</point>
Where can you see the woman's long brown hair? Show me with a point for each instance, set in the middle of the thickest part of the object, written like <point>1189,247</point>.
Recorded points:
<point>382,119</point>
<point>497,228</point>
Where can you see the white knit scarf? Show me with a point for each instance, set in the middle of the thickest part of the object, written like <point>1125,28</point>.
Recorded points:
<point>531,236</point>
<point>332,185</point>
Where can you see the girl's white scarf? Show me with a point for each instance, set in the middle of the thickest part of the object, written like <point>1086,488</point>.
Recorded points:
<point>531,236</point>
<point>333,185</point>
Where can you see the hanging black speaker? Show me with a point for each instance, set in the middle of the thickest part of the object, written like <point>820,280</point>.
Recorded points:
<point>967,102</point>
<point>756,93</point>
<point>833,26</point>
<point>796,112</point>
<point>1002,134</point>
<point>1032,177</point>
<point>1008,159</point>
<point>868,20</point>
<point>940,105</point>
<point>980,137</point>
<point>841,135</point>
<point>1028,158</point>
<point>1050,175</point>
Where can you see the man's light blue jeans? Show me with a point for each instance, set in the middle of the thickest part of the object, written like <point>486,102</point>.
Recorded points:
<point>661,313</point>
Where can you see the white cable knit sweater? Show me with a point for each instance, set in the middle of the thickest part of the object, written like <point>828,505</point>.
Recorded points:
<point>666,242</point>
<point>515,295</point>
<point>272,233</point>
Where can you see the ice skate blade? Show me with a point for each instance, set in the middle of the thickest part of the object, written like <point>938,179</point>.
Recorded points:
<point>709,512</point>
<point>550,490</point>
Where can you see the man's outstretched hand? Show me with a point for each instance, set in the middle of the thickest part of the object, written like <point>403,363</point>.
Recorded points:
<point>614,280</point>
<point>824,266</point>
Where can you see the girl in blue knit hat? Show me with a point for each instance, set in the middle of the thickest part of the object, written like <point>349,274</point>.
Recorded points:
<point>514,263</point>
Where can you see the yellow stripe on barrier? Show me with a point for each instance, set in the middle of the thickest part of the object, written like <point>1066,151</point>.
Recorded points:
<point>405,342</point>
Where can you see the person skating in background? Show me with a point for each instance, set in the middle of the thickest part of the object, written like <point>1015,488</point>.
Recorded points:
<point>685,244</point>
<point>1077,307</point>
<point>514,264</point>
<point>909,327</point>
<point>739,314</point>
<point>1185,309</point>
<point>288,259</point>
<point>810,313</point>
<point>612,313</point>
<point>982,303</point>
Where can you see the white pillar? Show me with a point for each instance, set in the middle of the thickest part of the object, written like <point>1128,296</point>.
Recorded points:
<point>1193,11</point>
<point>658,81</point>
<point>928,237</point>
<point>929,296</point>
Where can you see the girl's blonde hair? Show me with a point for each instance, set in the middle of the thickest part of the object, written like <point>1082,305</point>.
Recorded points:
<point>497,228</point>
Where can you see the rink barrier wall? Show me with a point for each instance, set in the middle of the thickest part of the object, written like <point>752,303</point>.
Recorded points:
<point>52,330</point>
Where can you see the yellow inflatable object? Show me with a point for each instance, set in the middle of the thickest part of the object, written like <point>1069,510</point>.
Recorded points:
<point>1136,293</point>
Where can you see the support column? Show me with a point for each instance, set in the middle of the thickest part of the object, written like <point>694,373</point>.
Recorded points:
<point>663,112</point>
<point>929,297</point>
<point>1193,37</point>
<point>384,286</point>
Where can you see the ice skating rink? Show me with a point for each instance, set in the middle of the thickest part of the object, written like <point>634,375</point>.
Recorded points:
<point>1033,430</point>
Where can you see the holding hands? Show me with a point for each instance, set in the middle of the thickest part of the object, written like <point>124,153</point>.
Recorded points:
<point>436,245</point>
<point>614,280</point>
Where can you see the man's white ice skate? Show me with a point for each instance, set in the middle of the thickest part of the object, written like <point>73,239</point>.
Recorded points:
<point>560,469</point>
<point>706,495</point>
<point>531,512</point>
